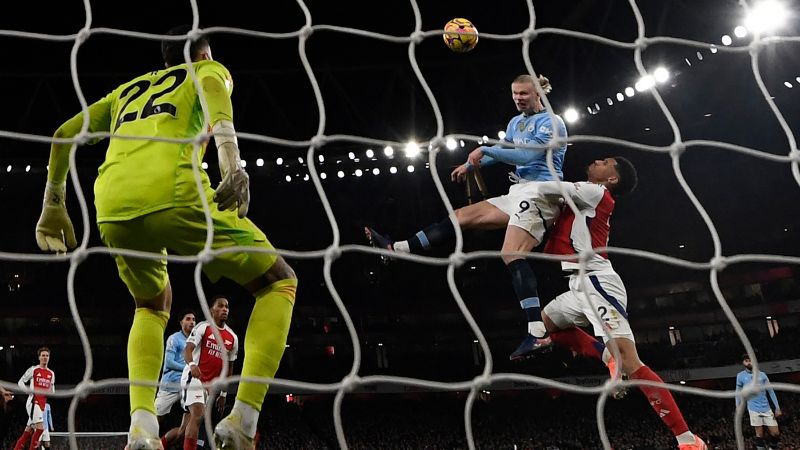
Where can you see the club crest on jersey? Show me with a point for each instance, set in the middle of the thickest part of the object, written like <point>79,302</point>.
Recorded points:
<point>531,128</point>
<point>521,126</point>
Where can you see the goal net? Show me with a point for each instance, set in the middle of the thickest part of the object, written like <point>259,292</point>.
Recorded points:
<point>432,147</point>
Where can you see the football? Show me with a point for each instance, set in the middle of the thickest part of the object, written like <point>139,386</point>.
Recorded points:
<point>460,35</point>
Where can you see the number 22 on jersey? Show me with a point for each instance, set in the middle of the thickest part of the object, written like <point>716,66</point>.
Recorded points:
<point>161,87</point>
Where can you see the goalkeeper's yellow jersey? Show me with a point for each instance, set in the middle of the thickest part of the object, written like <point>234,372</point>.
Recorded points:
<point>141,176</point>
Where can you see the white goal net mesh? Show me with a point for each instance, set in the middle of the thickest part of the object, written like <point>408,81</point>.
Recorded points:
<point>434,143</point>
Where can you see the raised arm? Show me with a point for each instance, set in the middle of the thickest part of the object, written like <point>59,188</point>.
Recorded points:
<point>523,156</point>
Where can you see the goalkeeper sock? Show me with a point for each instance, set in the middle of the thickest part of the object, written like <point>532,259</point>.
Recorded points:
<point>247,417</point>
<point>264,343</point>
<point>145,355</point>
<point>144,424</point>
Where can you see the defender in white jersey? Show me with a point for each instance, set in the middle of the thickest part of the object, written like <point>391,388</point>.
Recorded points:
<point>204,359</point>
<point>41,380</point>
<point>599,298</point>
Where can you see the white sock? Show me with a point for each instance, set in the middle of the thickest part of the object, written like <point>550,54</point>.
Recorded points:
<point>537,328</point>
<point>685,438</point>
<point>144,421</point>
<point>401,246</point>
<point>248,415</point>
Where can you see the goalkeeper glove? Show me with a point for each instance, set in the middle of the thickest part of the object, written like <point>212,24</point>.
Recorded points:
<point>233,191</point>
<point>54,231</point>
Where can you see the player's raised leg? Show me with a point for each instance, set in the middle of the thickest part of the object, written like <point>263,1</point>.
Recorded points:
<point>480,216</point>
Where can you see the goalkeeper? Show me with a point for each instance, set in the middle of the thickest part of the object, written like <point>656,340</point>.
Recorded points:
<point>147,200</point>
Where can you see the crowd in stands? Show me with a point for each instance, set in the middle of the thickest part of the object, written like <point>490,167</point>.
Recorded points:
<point>540,420</point>
<point>456,361</point>
<point>536,419</point>
<point>720,350</point>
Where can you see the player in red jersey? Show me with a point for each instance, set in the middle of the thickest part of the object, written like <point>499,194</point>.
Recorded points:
<point>599,298</point>
<point>41,380</point>
<point>203,355</point>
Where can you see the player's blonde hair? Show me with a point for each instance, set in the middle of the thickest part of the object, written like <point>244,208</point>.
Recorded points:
<point>543,82</point>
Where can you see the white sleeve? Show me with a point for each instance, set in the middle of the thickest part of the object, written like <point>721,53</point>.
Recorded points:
<point>585,195</point>
<point>25,378</point>
<point>197,334</point>
<point>235,350</point>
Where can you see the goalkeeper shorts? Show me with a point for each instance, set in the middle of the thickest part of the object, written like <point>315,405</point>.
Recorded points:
<point>183,230</point>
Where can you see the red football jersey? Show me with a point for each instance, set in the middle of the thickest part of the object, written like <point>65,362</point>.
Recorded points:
<point>207,351</point>
<point>40,379</point>
<point>573,235</point>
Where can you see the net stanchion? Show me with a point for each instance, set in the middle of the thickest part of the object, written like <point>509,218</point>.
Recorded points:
<point>329,255</point>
